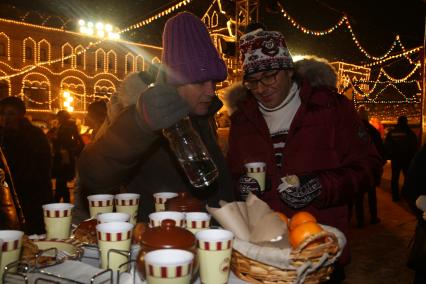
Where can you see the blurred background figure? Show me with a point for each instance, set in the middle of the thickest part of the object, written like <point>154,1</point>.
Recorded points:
<point>67,145</point>
<point>376,139</point>
<point>400,146</point>
<point>414,192</point>
<point>96,114</point>
<point>28,154</point>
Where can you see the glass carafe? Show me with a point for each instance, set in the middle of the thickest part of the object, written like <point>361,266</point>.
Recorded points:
<point>191,153</point>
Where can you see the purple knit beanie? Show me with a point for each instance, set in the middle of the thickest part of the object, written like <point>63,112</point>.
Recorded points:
<point>189,53</point>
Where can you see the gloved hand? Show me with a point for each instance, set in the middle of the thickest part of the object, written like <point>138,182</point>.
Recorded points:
<point>298,192</point>
<point>160,106</point>
<point>421,204</point>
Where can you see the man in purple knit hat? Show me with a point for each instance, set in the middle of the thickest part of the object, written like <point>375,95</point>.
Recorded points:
<point>133,153</point>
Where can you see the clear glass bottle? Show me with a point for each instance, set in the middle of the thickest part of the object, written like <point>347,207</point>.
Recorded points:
<point>191,153</point>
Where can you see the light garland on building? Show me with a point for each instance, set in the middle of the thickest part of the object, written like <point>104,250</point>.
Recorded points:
<point>7,44</point>
<point>343,19</point>
<point>403,54</point>
<point>156,16</point>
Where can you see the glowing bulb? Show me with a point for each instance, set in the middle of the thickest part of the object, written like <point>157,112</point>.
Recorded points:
<point>99,26</point>
<point>90,24</point>
<point>66,104</point>
<point>66,94</point>
<point>81,22</point>
<point>70,109</point>
<point>108,28</point>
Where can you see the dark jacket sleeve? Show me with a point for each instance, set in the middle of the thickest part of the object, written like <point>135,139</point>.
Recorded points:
<point>360,166</point>
<point>415,182</point>
<point>108,162</point>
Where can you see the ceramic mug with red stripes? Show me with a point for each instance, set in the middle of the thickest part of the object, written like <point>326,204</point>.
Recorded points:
<point>113,217</point>
<point>197,221</point>
<point>156,218</point>
<point>257,171</point>
<point>114,235</point>
<point>161,198</point>
<point>214,254</point>
<point>10,248</point>
<point>169,266</point>
<point>57,220</point>
<point>128,203</point>
<point>100,203</point>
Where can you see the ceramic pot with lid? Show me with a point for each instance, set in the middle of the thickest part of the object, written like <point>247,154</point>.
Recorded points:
<point>184,202</point>
<point>166,236</point>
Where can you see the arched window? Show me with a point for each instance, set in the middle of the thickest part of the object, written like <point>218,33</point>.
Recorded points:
<point>67,54</point>
<point>140,63</point>
<point>80,57</point>
<point>36,91</point>
<point>4,45</point>
<point>129,59</point>
<point>112,61</point>
<point>44,51</point>
<point>100,60</point>
<point>29,50</point>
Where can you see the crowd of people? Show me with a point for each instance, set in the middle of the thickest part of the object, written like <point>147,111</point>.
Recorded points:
<point>286,114</point>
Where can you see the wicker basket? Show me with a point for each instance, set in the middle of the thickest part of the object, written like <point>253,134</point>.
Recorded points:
<point>256,272</point>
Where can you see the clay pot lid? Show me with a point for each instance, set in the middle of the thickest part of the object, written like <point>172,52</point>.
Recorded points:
<point>168,236</point>
<point>184,202</point>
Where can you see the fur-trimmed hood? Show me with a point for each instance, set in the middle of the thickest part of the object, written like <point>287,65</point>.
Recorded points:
<point>317,71</point>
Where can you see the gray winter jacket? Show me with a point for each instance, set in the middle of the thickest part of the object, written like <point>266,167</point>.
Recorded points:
<point>130,154</point>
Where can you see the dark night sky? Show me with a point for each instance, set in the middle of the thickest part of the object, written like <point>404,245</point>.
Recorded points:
<point>375,22</point>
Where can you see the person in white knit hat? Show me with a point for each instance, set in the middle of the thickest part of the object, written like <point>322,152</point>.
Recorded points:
<point>290,116</point>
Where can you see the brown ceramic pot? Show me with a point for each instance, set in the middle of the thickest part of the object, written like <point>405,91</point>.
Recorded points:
<point>184,202</point>
<point>166,236</point>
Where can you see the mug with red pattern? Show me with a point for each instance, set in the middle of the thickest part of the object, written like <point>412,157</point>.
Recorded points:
<point>100,203</point>
<point>166,266</point>
<point>197,221</point>
<point>10,248</point>
<point>128,203</point>
<point>214,254</point>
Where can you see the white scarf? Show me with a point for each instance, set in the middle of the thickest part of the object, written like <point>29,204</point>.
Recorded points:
<point>279,118</point>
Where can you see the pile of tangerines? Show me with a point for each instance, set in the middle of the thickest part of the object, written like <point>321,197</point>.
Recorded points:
<point>301,226</point>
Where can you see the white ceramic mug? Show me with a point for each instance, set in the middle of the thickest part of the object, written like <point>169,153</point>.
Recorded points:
<point>197,221</point>
<point>114,235</point>
<point>57,220</point>
<point>161,198</point>
<point>100,203</point>
<point>10,248</point>
<point>168,266</point>
<point>257,171</point>
<point>214,254</point>
<point>128,203</point>
<point>156,218</point>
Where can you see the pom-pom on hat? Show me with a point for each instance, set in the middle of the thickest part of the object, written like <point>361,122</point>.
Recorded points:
<point>188,52</point>
<point>264,51</point>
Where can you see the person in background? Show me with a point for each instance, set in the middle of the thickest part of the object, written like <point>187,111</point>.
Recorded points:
<point>290,116</point>
<point>414,192</point>
<point>28,154</point>
<point>372,197</point>
<point>67,145</point>
<point>133,153</point>
<point>96,115</point>
<point>400,146</point>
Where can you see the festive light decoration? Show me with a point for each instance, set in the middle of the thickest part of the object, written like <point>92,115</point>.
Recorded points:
<point>68,101</point>
<point>40,45</point>
<point>403,54</point>
<point>155,17</point>
<point>129,63</point>
<point>100,30</point>
<point>343,19</point>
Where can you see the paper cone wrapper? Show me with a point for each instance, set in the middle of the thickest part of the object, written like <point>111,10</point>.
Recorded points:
<point>268,228</point>
<point>230,218</point>
<point>256,209</point>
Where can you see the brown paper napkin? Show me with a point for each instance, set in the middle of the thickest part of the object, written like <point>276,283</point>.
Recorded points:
<point>229,217</point>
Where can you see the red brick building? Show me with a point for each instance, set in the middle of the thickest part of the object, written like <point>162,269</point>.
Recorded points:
<point>39,63</point>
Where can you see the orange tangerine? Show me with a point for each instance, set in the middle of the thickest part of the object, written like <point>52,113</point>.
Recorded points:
<point>282,216</point>
<point>303,231</point>
<point>300,218</point>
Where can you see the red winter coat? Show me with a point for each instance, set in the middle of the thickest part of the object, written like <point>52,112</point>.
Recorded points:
<point>326,139</point>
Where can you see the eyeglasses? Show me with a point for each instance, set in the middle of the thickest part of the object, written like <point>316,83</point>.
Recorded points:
<point>266,81</point>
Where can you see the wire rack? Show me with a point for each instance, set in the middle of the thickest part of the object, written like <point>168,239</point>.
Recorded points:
<point>20,272</point>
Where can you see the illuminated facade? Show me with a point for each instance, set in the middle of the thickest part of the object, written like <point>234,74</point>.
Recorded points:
<point>348,73</point>
<point>39,64</point>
